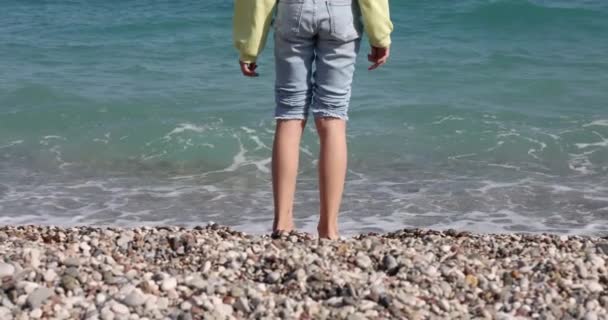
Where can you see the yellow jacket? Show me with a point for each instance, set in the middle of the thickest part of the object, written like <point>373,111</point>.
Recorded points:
<point>252,21</point>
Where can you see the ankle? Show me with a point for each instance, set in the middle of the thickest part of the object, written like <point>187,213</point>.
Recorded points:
<point>283,225</point>
<point>328,231</point>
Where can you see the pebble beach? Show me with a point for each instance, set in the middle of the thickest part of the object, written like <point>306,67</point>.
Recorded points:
<point>214,272</point>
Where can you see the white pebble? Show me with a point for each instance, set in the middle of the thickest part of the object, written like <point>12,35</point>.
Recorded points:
<point>594,286</point>
<point>120,308</point>
<point>169,284</point>
<point>185,305</point>
<point>50,275</point>
<point>100,298</point>
<point>6,270</point>
<point>364,261</point>
<point>36,313</point>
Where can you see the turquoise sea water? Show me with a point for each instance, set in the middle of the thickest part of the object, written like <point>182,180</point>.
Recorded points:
<point>491,116</point>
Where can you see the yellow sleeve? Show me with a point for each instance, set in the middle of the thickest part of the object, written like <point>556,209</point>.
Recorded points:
<point>377,21</point>
<point>251,22</point>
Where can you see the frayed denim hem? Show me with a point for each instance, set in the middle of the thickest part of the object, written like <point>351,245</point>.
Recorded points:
<point>296,117</point>
<point>328,114</point>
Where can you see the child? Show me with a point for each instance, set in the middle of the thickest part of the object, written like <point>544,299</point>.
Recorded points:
<point>326,34</point>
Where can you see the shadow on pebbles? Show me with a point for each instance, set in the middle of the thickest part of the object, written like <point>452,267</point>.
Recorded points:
<point>213,272</point>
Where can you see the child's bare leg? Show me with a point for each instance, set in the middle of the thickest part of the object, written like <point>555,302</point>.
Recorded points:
<point>285,156</point>
<point>332,173</point>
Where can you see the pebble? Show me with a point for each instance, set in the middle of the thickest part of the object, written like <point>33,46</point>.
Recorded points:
<point>100,298</point>
<point>134,298</point>
<point>591,316</point>
<point>123,242</point>
<point>242,304</point>
<point>6,270</point>
<point>38,297</point>
<point>273,277</point>
<point>27,286</point>
<point>33,257</point>
<point>84,246</point>
<point>594,286</point>
<point>5,312</point>
<point>471,280</point>
<point>185,306</point>
<point>444,304</point>
<point>215,272</point>
<point>356,316</point>
<point>236,292</point>
<point>71,262</point>
<point>162,303</point>
<point>364,261</point>
<point>120,308</point>
<point>169,283</point>
<point>50,275</point>
<point>36,313</point>
<point>107,314</point>
<point>389,262</point>
<point>69,282</point>
<point>185,316</point>
<point>197,282</point>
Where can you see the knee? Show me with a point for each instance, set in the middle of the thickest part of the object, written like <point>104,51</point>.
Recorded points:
<point>330,125</point>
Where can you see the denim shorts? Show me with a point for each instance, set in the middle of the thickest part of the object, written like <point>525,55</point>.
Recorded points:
<point>316,46</point>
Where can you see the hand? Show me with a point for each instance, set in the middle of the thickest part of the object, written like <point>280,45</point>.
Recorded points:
<point>248,69</point>
<point>378,57</point>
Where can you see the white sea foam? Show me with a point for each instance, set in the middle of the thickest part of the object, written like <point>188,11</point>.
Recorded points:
<point>506,166</point>
<point>589,197</point>
<point>305,150</point>
<point>581,163</point>
<point>489,185</point>
<point>184,127</point>
<point>260,144</point>
<point>12,143</point>
<point>104,140</point>
<point>603,143</point>
<point>248,130</point>
<point>46,139</point>
<point>511,133</point>
<point>601,123</point>
<point>53,137</point>
<point>448,118</point>
<point>459,156</point>
<point>238,159</point>
<point>561,188</point>
<point>153,155</point>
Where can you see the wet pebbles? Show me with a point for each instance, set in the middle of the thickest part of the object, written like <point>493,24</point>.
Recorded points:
<point>213,272</point>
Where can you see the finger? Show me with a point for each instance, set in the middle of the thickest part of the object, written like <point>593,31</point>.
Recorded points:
<point>252,67</point>
<point>248,69</point>
<point>245,69</point>
<point>378,63</point>
<point>248,73</point>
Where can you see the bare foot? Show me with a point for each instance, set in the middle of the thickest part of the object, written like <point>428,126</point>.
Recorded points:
<point>283,226</point>
<point>330,233</point>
